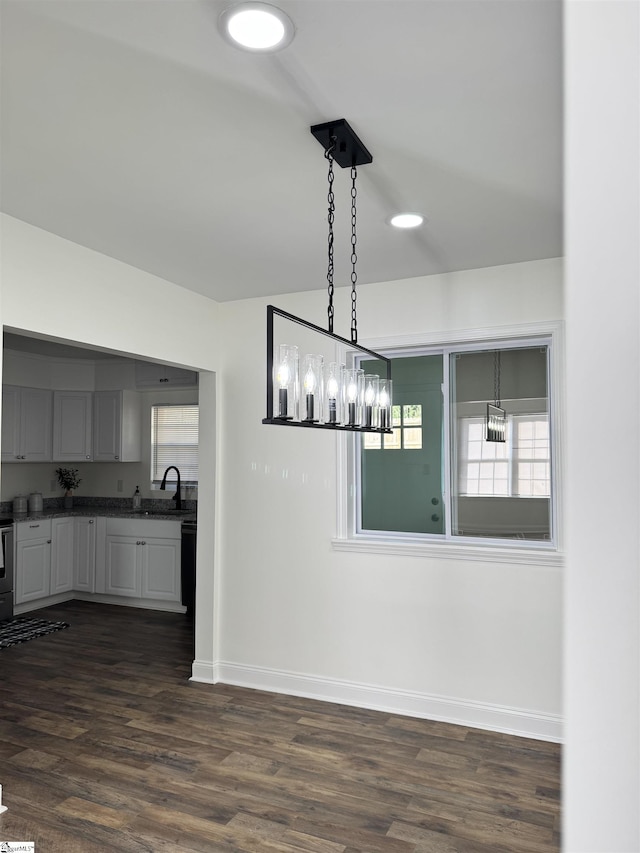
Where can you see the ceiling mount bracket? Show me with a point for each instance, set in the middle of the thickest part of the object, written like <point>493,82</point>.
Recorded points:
<point>349,150</point>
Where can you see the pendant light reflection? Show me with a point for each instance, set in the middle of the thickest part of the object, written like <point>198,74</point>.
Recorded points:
<point>496,423</point>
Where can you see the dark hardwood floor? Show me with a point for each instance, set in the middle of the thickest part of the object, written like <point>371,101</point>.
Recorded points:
<point>105,745</point>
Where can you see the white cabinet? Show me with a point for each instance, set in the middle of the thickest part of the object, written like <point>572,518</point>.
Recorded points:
<point>161,569</point>
<point>62,530</point>
<point>123,566</point>
<point>134,558</point>
<point>150,375</point>
<point>72,426</point>
<point>117,426</point>
<point>44,558</point>
<point>26,424</point>
<point>142,559</point>
<point>33,560</point>
<point>84,554</point>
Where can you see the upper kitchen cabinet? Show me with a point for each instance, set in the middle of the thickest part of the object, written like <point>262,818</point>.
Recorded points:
<point>72,426</point>
<point>117,423</point>
<point>150,375</point>
<point>26,424</point>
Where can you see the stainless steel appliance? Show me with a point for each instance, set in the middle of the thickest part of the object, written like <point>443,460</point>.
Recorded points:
<point>6,568</point>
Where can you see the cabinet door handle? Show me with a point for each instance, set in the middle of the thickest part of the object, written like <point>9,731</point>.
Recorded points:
<point>87,457</point>
<point>34,525</point>
<point>90,521</point>
<point>138,543</point>
<point>143,543</point>
<point>48,541</point>
<point>117,457</point>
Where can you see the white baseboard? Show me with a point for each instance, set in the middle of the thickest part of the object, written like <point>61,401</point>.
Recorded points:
<point>204,671</point>
<point>127,601</point>
<point>497,718</point>
<point>39,603</point>
<point>120,600</point>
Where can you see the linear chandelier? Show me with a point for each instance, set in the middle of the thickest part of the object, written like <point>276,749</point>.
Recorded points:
<point>321,392</point>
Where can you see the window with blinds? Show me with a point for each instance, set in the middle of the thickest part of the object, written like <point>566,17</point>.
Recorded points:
<point>174,441</point>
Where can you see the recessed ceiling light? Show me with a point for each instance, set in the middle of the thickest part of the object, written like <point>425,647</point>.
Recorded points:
<point>407,220</point>
<point>257,27</point>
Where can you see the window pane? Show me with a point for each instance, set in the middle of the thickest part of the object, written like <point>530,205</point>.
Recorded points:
<point>174,441</point>
<point>501,489</point>
<point>393,441</point>
<point>412,438</point>
<point>398,488</point>
<point>371,441</point>
<point>412,415</point>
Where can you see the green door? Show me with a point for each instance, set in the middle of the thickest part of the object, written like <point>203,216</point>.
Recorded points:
<point>401,475</point>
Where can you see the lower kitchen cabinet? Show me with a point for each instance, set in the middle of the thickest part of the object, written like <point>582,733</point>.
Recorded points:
<point>133,558</point>
<point>142,559</point>
<point>44,558</point>
<point>84,554</point>
<point>161,569</point>
<point>33,560</point>
<point>62,535</point>
<point>122,568</point>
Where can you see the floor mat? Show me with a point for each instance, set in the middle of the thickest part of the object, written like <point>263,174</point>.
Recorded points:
<point>24,628</point>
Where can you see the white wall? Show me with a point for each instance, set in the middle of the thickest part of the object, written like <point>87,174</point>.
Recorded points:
<point>601,787</point>
<point>60,290</point>
<point>475,641</point>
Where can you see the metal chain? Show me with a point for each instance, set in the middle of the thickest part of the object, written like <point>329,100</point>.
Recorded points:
<point>354,258</point>
<point>330,217</point>
<point>496,377</point>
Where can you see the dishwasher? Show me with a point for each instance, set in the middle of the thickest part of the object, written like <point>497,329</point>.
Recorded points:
<point>188,565</point>
<point>6,568</point>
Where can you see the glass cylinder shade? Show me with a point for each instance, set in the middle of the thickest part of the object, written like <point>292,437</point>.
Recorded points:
<point>385,402</point>
<point>333,374</point>
<point>353,396</point>
<point>371,406</point>
<point>312,383</point>
<point>286,383</point>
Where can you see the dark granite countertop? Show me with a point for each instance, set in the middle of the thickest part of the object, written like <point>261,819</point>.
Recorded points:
<point>159,510</point>
<point>107,512</point>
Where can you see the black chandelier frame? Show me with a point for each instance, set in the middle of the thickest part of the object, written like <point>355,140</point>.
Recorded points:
<point>270,419</point>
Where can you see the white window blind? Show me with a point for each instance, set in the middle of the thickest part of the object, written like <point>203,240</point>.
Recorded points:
<point>174,441</point>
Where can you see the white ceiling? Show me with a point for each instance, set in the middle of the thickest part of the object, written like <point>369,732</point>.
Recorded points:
<point>130,127</point>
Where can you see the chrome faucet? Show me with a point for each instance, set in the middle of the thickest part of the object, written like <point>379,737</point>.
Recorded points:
<point>176,497</point>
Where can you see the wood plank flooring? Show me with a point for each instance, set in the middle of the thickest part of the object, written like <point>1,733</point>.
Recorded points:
<point>105,745</point>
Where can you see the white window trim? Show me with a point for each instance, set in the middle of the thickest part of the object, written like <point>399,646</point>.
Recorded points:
<point>544,554</point>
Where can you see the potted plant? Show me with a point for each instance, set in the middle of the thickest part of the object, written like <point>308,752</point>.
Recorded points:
<point>68,480</point>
